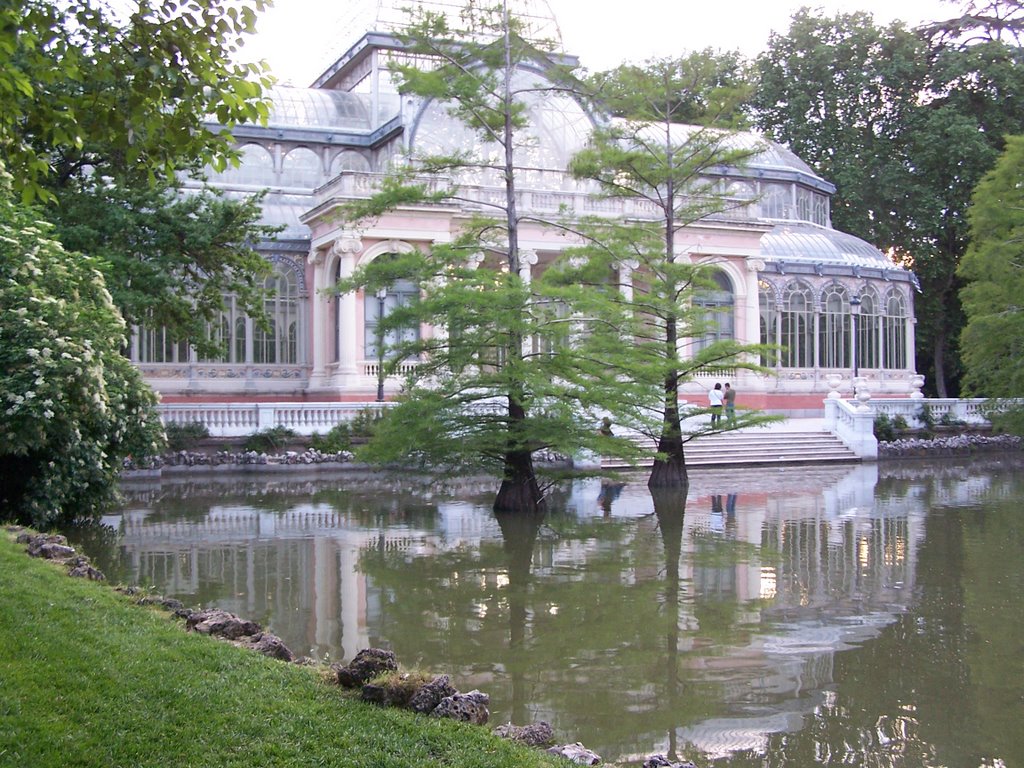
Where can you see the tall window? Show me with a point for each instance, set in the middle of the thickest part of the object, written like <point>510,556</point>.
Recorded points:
<point>157,346</point>
<point>894,334</point>
<point>868,330</point>
<point>834,337</point>
<point>769,318</point>
<point>555,327</point>
<point>349,161</point>
<point>715,310</point>
<point>776,201</point>
<point>278,342</point>
<point>228,331</point>
<point>797,326</point>
<point>239,338</point>
<point>401,293</point>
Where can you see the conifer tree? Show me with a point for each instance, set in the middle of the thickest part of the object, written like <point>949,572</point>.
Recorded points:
<point>662,335</point>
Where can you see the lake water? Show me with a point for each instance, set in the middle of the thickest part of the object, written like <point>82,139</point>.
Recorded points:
<point>858,615</point>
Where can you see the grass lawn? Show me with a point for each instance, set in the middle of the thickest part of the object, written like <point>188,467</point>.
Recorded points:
<point>89,679</point>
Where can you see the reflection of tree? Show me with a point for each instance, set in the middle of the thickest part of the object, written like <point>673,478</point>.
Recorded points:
<point>570,642</point>
<point>670,509</point>
<point>519,534</point>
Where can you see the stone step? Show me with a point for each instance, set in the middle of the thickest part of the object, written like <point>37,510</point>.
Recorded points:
<point>752,448</point>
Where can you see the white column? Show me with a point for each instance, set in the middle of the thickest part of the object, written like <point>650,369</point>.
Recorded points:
<point>527,260</point>
<point>752,327</point>
<point>346,247</point>
<point>626,269</point>
<point>319,308</point>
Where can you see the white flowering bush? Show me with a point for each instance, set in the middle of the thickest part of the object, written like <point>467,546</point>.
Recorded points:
<point>72,407</point>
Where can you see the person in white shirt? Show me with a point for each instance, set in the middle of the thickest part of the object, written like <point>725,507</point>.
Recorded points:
<point>715,401</point>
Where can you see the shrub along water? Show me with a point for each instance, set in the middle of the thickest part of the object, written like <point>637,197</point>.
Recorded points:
<point>88,679</point>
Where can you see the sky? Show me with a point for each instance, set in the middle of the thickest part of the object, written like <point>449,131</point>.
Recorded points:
<point>300,38</point>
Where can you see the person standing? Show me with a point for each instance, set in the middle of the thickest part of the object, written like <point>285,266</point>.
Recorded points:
<point>715,401</point>
<point>730,402</point>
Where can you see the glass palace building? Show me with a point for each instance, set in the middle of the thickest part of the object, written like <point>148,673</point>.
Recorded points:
<point>785,276</point>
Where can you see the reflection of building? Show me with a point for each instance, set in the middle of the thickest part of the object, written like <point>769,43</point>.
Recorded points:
<point>784,275</point>
<point>809,562</point>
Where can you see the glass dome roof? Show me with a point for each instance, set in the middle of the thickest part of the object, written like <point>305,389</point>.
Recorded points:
<point>807,243</point>
<point>318,108</point>
<point>769,155</point>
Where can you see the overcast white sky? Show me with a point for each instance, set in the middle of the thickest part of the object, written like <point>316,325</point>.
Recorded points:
<point>300,38</point>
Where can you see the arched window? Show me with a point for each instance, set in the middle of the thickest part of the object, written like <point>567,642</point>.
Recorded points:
<point>797,326</point>
<point>869,330</point>
<point>894,335</point>
<point>769,318</point>
<point>278,341</point>
<point>834,327</point>
<point>349,161</point>
<point>301,168</point>
<point>715,315</point>
<point>776,201</point>
<point>399,294</point>
<point>256,168</point>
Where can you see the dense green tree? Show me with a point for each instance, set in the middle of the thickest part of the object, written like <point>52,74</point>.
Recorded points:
<point>71,406</point>
<point>106,112</point>
<point>675,171</point>
<point>170,255</point>
<point>993,268</point>
<point>123,93</point>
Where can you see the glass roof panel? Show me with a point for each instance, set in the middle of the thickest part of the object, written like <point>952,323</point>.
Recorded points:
<point>808,243</point>
<point>319,108</point>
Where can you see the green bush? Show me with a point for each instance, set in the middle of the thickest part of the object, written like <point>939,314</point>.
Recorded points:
<point>899,423</point>
<point>1006,417</point>
<point>884,429</point>
<point>365,422</point>
<point>926,417</point>
<point>949,420</point>
<point>336,440</point>
<point>268,440</point>
<point>185,437</point>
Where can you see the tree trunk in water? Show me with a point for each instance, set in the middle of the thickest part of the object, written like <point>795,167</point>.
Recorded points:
<point>670,471</point>
<point>519,491</point>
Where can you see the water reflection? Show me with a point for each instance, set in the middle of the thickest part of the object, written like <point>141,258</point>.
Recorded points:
<point>740,620</point>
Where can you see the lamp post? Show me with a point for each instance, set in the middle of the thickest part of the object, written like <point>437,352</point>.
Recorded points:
<point>382,295</point>
<point>854,312</point>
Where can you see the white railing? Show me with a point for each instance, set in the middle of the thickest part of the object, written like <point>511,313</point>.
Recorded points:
<point>241,419</point>
<point>854,424</point>
<point>371,368</point>
<point>942,410</point>
<point>853,421</point>
<point>541,190</point>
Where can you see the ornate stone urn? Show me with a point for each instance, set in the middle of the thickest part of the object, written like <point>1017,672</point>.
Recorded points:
<point>833,380</point>
<point>917,381</point>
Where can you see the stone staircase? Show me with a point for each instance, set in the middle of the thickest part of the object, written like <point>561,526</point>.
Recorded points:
<point>759,447</point>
